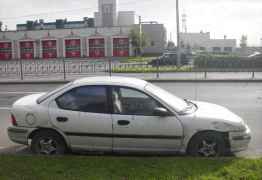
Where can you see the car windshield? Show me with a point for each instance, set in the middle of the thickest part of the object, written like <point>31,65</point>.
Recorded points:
<point>52,92</point>
<point>177,103</point>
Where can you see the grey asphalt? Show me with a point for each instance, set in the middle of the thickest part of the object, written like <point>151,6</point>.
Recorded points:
<point>245,99</point>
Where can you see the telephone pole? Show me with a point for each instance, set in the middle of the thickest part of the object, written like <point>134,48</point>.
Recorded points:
<point>178,35</point>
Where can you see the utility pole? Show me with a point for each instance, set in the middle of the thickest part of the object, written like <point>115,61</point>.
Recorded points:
<point>140,35</point>
<point>178,35</point>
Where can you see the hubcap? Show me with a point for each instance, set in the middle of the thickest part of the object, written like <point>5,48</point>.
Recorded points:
<point>208,149</point>
<point>47,146</point>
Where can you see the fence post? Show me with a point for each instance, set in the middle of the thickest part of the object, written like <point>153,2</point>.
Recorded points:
<point>253,69</point>
<point>64,68</point>
<point>205,74</point>
<point>21,70</point>
<point>157,73</point>
<point>110,66</point>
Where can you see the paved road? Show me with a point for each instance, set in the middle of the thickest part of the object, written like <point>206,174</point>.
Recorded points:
<point>244,99</point>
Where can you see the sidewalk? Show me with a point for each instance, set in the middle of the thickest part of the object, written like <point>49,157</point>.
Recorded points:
<point>153,77</point>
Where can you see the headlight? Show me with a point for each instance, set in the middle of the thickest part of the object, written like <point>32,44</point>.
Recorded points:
<point>228,127</point>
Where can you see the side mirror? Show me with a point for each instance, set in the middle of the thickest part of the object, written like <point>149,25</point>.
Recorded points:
<point>162,112</point>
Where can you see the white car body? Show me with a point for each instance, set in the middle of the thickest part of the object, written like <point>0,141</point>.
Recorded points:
<point>102,132</point>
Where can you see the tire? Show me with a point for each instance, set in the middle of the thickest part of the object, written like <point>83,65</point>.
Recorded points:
<point>207,144</point>
<point>48,143</point>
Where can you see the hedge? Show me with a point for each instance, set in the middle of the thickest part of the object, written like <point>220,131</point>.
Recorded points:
<point>212,61</point>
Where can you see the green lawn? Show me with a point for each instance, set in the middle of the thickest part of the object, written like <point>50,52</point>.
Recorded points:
<point>150,69</point>
<point>136,59</point>
<point>127,168</point>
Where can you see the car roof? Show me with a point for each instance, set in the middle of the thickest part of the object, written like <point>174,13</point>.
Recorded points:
<point>113,80</point>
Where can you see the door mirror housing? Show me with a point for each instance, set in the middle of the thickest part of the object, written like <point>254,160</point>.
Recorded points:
<point>162,112</point>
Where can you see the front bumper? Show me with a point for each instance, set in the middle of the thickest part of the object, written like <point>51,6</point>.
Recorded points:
<point>19,135</point>
<point>239,141</point>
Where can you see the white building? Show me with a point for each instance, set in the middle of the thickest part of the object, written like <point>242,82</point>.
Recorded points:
<point>108,15</point>
<point>202,41</point>
<point>126,18</point>
<point>65,43</point>
<point>106,35</point>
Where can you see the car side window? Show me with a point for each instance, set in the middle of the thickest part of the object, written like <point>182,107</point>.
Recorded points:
<point>127,101</point>
<point>91,99</point>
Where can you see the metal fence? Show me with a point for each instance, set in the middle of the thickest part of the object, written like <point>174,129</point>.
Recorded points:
<point>62,69</point>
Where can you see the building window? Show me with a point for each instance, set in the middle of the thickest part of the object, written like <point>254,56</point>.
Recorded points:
<point>73,48</point>
<point>228,49</point>
<point>27,50</point>
<point>120,47</point>
<point>5,50</point>
<point>216,49</point>
<point>49,49</point>
<point>96,47</point>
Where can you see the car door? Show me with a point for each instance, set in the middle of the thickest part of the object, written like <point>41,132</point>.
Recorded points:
<point>136,128</point>
<point>83,115</point>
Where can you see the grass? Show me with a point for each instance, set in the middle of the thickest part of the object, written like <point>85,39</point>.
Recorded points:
<point>150,69</point>
<point>127,168</point>
<point>136,59</point>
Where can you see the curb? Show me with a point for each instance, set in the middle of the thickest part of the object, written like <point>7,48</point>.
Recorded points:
<point>150,80</point>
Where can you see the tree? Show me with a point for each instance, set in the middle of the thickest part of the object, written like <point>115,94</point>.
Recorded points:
<point>134,36</point>
<point>170,45</point>
<point>243,41</point>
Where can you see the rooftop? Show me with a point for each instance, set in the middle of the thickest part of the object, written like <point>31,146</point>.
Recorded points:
<point>113,80</point>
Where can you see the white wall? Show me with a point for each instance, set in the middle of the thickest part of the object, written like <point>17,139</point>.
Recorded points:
<point>198,40</point>
<point>60,35</point>
<point>126,18</point>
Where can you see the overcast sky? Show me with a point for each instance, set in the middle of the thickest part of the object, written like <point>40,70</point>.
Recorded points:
<point>219,17</point>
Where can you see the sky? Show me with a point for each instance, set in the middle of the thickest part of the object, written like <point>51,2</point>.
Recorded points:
<point>232,18</point>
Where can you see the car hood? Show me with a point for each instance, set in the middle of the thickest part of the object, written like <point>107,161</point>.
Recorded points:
<point>28,100</point>
<point>209,111</point>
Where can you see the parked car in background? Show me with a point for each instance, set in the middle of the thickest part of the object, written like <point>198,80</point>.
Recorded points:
<point>170,58</point>
<point>118,114</point>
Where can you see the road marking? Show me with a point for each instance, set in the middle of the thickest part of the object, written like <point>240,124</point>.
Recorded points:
<point>5,108</point>
<point>20,92</point>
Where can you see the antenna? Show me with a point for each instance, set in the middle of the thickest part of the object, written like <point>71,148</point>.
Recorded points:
<point>184,23</point>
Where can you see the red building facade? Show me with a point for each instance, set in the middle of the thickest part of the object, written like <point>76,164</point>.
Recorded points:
<point>5,50</point>
<point>49,49</point>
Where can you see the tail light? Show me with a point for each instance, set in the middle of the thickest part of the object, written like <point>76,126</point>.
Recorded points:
<point>13,120</point>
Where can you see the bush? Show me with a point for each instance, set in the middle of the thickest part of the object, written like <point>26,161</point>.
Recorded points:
<point>150,69</point>
<point>225,61</point>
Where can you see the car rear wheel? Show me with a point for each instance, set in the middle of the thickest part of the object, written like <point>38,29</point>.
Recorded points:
<point>207,144</point>
<point>48,143</point>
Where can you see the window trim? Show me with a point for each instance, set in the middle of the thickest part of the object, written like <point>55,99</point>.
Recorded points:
<point>108,108</point>
<point>127,87</point>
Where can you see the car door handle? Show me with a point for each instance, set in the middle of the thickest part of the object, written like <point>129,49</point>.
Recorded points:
<point>123,122</point>
<point>62,119</point>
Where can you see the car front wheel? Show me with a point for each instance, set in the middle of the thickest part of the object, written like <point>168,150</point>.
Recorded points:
<point>207,144</point>
<point>48,143</point>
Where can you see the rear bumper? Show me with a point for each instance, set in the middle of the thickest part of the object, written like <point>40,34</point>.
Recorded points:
<point>239,141</point>
<point>19,135</point>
